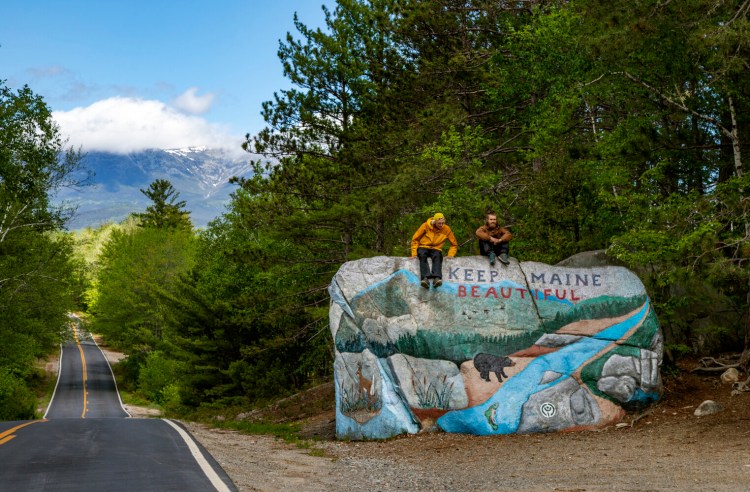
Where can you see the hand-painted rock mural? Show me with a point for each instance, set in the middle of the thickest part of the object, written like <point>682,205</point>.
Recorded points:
<point>521,348</point>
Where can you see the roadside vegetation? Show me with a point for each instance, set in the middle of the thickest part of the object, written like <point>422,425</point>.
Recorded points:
<point>585,125</point>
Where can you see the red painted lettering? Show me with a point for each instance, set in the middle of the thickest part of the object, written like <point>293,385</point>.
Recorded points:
<point>461,291</point>
<point>492,291</point>
<point>502,292</point>
<point>474,291</point>
<point>557,294</point>
<point>523,293</point>
<point>573,296</point>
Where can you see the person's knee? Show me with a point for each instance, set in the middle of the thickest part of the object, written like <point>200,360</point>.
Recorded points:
<point>484,248</point>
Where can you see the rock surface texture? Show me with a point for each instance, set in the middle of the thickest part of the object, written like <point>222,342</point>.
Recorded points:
<point>521,348</point>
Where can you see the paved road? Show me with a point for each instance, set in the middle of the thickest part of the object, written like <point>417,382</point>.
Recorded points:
<point>83,366</point>
<point>87,442</point>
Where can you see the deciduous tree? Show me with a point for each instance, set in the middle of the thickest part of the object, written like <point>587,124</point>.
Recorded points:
<point>36,272</point>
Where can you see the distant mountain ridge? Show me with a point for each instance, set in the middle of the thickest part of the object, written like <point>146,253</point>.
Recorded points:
<point>200,175</point>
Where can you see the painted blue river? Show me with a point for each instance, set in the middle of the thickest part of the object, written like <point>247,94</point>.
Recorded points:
<point>515,391</point>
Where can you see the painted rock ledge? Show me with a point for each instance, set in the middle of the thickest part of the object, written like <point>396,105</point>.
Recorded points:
<point>521,348</point>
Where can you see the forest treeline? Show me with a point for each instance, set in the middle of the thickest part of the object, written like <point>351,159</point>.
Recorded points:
<point>584,125</point>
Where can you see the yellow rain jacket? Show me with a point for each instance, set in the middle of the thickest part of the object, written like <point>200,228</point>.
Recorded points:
<point>427,236</point>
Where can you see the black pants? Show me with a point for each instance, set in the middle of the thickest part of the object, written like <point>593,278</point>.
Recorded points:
<point>486,246</point>
<point>437,263</point>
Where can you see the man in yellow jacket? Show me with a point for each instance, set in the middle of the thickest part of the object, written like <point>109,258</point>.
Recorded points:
<point>428,242</point>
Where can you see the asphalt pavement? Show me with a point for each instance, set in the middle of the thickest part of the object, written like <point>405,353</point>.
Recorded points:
<point>88,442</point>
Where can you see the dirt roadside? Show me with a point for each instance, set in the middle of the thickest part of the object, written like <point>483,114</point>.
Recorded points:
<point>666,448</point>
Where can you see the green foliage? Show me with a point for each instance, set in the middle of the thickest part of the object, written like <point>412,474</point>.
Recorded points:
<point>35,296</point>
<point>679,349</point>
<point>17,402</point>
<point>88,244</point>
<point>136,270</point>
<point>583,125</point>
<point>157,378</point>
<point>243,331</point>
<point>165,211</point>
<point>37,274</point>
<point>134,398</point>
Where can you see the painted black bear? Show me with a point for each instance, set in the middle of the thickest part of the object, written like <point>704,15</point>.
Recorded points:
<point>487,363</point>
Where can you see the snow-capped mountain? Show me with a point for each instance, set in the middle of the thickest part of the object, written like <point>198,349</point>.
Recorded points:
<point>200,175</point>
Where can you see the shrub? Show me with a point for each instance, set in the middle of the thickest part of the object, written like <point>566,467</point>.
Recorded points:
<point>17,402</point>
<point>157,377</point>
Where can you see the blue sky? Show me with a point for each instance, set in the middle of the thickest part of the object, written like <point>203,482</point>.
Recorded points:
<point>126,75</point>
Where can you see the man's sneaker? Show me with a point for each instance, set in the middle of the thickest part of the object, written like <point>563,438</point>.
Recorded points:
<point>504,258</point>
<point>425,283</point>
<point>437,282</point>
<point>492,258</point>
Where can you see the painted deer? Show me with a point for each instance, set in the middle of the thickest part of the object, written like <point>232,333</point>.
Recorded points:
<point>365,385</point>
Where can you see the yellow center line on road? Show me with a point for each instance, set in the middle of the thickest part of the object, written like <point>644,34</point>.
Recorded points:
<point>6,435</point>
<point>85,375</point>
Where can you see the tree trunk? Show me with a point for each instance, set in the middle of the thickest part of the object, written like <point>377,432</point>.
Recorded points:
<point>744,363</point>
<point>747,300</point>
<point>735,137</point>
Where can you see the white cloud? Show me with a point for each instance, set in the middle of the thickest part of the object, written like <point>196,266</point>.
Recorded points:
<point>190,102</point>
<point>122,125</point>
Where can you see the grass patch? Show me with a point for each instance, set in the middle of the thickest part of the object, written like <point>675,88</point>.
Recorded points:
<point>138,400</point>
<point>288,432</point>
<point>43,381</point>
<point>320,453</point>
<point>43,386</point>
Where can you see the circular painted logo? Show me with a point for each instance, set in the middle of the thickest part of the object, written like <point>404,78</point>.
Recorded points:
<point>548,410</point>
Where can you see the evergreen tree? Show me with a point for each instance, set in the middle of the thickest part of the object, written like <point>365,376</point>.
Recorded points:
<point>321,130</point>
<point>165,211</point>
<point>244,330</point>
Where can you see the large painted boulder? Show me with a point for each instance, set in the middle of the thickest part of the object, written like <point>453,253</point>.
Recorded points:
<point>521,348</point>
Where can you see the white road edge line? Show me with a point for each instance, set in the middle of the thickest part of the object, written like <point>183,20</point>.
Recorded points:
<point>59,370</point>
<point>217,482</point>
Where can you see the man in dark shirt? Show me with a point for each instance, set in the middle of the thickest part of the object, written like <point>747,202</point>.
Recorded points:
<point>493,240</point>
